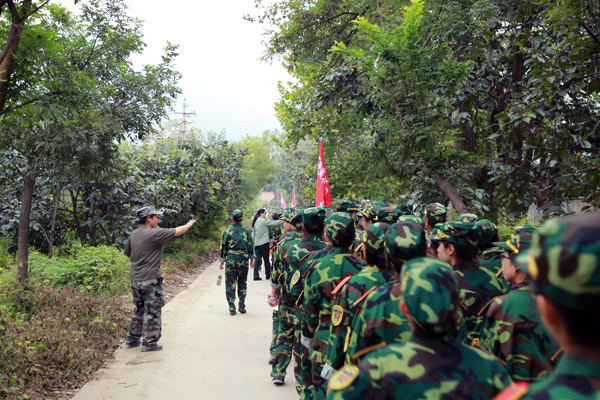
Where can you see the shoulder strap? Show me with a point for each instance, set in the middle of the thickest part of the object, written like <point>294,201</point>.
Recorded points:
<point>475,343</point>
<point>364,296</point>
<point>498,273</point>
<point>555,356</point>
<point>462,305</point>
<point>514,391</point>
<point>366,350</point>
<point>304,258</point>
<point>359,247</point>
<point>486,306</point>
<point>341,284</point>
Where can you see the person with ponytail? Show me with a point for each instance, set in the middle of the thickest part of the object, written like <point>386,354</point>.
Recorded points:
<point>260,233</point>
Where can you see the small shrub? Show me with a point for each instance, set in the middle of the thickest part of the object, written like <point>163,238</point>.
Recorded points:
<point>102,269</point>
<point>52,338</point>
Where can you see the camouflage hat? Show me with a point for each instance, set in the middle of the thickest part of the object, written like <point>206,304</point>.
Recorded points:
<point>436,211</point>
<point>296,220</point>
<point>430,292</point>
<point>387,215</point>
<point>489,231</point>
<point>371,213</point>
<point>276,215</point>
<point>237,215</point>
<point>405,209</point>
<point>564,261</point>
<point>516,244</point>
<point>375,238</point>
<point>412,218</point>
<point>467,218</point>
<point>346,206</point>
<point>404,241</point>
<point>146,211</point>
<point>525,228</point>
<point>379,203</point>
<point>313,216</point>
<point>459,233</point>
<point>286,216</point>
<point>339,229</point>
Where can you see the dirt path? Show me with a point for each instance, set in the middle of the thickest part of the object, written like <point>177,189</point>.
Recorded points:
<point>207,354</point>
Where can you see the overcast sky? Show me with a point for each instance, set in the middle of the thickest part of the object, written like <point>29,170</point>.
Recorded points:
<point>223,81</point>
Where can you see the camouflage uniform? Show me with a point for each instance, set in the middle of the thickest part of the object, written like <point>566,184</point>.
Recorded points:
<point>491,257</point>
<point>146,318</point>
<point>564,263</point>
<point>322,278</point>
<point>477,285</point>
<point>349,296</point>
<point>345,206</point>
<point>430,364</point>
<point>405,209</point>
<point>525,228</point>
<point>236,249</point>
<point>467,218</point>
<point>436,213</point>
<point>413,219</point>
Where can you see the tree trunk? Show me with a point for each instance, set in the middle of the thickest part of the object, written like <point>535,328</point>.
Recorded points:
<point>467,134</point>
<point>445,187</point>
<point>80,229</point>
<point>24,217</point>
<point>53,227</point>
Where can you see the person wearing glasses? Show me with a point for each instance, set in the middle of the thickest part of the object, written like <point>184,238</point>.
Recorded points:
<point>144,248</point>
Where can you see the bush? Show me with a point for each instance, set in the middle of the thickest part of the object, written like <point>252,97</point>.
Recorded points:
<point>101,270</point>
<point>4,254</point>
<point>52,338</point>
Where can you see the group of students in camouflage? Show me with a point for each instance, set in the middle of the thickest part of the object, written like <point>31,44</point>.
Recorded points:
<point>379,303</point>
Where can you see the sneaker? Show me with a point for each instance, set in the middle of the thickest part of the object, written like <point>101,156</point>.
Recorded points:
<point>155,347</point>
<point>231,312</point>
<point>272,360</point>
<point>258,279</point>
<point>278,381</point>
<point>242,310</point>
<point>133,343</point>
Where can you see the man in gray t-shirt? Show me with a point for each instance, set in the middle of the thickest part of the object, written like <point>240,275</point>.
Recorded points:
<point>144,248</point>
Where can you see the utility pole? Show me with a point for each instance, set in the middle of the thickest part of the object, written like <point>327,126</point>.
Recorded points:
<point>185,114</point>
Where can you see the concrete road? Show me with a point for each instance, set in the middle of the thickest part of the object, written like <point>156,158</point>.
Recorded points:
<point>207,353</point>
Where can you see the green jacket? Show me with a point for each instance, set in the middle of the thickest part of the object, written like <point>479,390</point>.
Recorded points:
<point>236,244</point>
<point>279,252</point>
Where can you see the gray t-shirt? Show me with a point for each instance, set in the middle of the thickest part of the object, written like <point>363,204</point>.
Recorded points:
<point>145,248</point>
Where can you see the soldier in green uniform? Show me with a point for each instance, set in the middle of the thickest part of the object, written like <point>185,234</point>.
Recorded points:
<point>435,213</point>
<point>431,364</point>
<point>564,266</point>
<point>350,294</point>
<point>457,245</point>
<point>313,220</point>
<point>490,255</point>
<point>405,209</point>
<point>322,277</point>
<point>346,206</point>
<point>467,218</point>
<point>413,219</point>
<point>275,232</point>
<point>525,228</point>
<point>378,320</point>
<point>513,330</point>
<point>236,250</point>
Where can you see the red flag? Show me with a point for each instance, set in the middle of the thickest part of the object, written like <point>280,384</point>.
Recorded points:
<point>283,205</point>
<point>278,196</point>
<point>323,194</point>
<point>293,196</point>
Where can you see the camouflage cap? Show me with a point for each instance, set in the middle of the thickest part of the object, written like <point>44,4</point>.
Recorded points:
<point>516,244</point>
<point>339,229</point>
<point>430,292</point>
<point>525,228</point>
<point>488,231</point>
<point>296,219</point>
<point>346,206</point>
<point>371,213</point>
<point>375,238</point>
<point>467,218</point>
<point>379,203</point>
<point>286,216</point>
<point>237,215</point>
<point>564,261</point>
<point>436,211</point>
<point>412,218</point>
<point>404,241</point>
<point>313,216</point>
<point>388,215</point>
<point>146,211</point>
<point>276,215</point>
<point>405,209</point>
<point>459,233</point>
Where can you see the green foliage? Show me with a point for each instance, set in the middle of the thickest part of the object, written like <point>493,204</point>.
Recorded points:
<point>99,270</point>
<point>51,336</point>
<point>4,253</point>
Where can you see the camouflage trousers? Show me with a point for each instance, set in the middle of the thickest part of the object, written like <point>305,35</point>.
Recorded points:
<point>285,343</point>
<point>236,276</point>
<point>319,383</point>
<point>302,363</point>
<point>275,331</point>
<point>146,320</point>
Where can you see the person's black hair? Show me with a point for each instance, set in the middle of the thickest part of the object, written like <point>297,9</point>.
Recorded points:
<point>397,266</point>
<point>463,252</point>
<point>433,220</point>
<point>143,220</point>
<point>315,228</point>
<point>260,211</point>
<point>581,325</point>
<point>372,260</point>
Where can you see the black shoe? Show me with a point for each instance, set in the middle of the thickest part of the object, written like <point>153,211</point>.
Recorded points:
<point>133,343</point>
<point>278,381</point>
<point>154,347</point>
<point>269,277</point>
<point>242,310</point>
<point>231,312</point>
<point>258,279</point>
